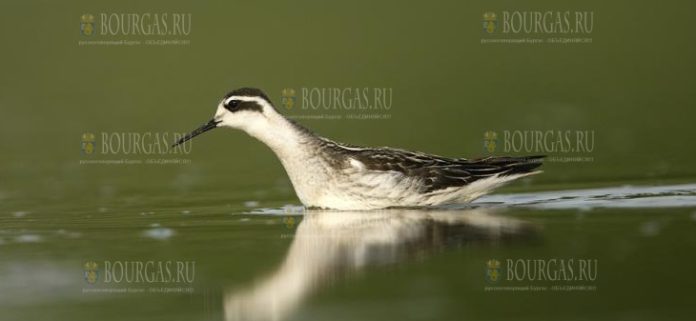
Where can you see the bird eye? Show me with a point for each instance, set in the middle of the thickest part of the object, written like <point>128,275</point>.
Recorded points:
<point>232,105</point>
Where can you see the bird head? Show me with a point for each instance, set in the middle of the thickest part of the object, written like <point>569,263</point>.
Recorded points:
<point>244,108</point>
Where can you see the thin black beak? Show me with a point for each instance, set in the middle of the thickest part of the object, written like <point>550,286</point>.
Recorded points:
<point>200,130</point>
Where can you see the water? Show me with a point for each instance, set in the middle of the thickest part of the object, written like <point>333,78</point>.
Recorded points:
<point>231,217</point>
<point>249,262</point>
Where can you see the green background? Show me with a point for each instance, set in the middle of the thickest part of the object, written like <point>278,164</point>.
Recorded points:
<point>633,85</point>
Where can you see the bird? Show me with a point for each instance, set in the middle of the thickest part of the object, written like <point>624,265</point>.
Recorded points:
<point>326,174</point>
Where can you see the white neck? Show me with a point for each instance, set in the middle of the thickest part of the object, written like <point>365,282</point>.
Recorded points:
<point>282,136</point>
<point>291,143</point>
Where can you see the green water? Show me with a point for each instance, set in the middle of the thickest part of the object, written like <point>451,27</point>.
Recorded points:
<point>632,87</point>
<point>390,265</point>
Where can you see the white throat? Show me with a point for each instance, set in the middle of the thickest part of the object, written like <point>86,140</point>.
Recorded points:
<point>284,138</point>
<point>292,144</point>
<point>274,130</point>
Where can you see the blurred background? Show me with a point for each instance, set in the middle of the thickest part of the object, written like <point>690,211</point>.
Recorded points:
<point>632,86</point>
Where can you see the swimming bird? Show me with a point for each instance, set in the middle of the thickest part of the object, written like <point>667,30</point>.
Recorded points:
<point>327,174</point>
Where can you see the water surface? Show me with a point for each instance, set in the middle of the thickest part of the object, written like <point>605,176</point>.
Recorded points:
<point>254,262</point>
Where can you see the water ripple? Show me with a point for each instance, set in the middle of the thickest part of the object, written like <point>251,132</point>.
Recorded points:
<point>159,233</point>
<point>612,197</point>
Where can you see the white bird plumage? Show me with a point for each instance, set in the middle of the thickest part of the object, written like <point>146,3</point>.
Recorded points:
<point>327,174</point>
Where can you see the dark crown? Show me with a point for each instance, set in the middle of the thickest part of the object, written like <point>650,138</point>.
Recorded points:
<point>247,91</point>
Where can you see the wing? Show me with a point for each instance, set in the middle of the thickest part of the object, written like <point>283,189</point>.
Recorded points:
<point>438,172</point>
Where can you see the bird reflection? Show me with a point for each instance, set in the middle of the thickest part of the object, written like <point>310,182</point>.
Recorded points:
<point>329,245</point>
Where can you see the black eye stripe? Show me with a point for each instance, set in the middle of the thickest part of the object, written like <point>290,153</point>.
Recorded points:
<point>234,105</point>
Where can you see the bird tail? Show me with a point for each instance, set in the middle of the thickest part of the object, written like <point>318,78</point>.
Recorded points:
<point>490,173</point>
<point>509,166</point>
